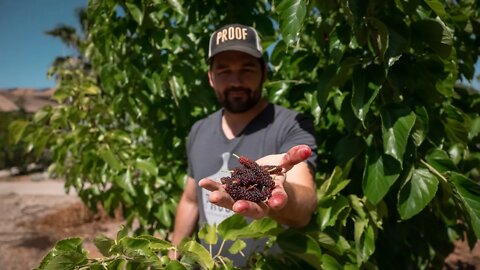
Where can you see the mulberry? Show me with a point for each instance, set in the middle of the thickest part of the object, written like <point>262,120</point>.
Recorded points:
<point>250,181</point>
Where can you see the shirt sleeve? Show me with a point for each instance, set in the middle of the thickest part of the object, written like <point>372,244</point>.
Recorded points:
<point>301,131</point>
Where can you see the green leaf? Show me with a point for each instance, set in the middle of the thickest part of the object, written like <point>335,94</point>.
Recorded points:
<point>437,7</point>
<point>291,13</point>
<point>61,94</point>
<point>237,246</point>
<point>66,254</point>
<point>358,206</point>
<point>155,243</point>
<point>469,194</point>
<point>378,33</point>
<point>208,233</point>
<point>177,6</point>
<point>440,160</point>
<point>456,124</point>
<point>474,128</point>
<point>276,90</point>
<point>41,115</point>
<point>348,116</point>
<point>103,244</point>
<point>330,210</point>
<point>380,174</point>
<point>135,11</point>
<point>123,232</point>
<point>90,90</point>
<point>197,252</point>
<point>348,148</point>
<point>434,33</point>
<point>416,193</point>
<point>138,250</point>
<point>175,265</point>
<point>119,135</point>
<point>107,155</point>
<point>397,122</point>
<point>69,244</point>
<point>398,42</point>
<point>147,166</point>
<point>175,88</point>
<point>325,84</point>
<point>332,240</point>
<point>125,181</point>
<point>116,264</point>
<point>366,85</point>
<point>40,144</point>
<point>236,226</point>
<point>420,128</point>
<point>364,240</point>
<point>154,84</point>
<point>457,153</point>
<point>335,183</point>
<point>330,263</point>
<point>315,110</point>
<point>358,10</point>
<point>16,130</point>
<point>163,214</point>
<point>134,243</point>
<point>229,228</point>
<point>259,228</point>
<point>302,246</point>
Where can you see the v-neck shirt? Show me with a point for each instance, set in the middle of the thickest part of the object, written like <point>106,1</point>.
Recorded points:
<point>210,155</point>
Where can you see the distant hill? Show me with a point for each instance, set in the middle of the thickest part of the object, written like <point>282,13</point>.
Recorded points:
<point>28,99</point>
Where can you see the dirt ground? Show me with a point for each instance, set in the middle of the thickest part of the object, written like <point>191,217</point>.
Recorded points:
<point>35,213</point>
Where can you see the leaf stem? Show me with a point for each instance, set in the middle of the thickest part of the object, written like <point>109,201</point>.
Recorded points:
<point>223,262</point>
<point>434,171</point>
<point>220,249</point>
<point>101,261</point>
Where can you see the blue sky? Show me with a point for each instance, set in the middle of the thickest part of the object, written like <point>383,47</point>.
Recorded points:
<point>26,52</point>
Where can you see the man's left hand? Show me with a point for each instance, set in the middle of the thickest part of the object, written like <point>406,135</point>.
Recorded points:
<point>279,197</point>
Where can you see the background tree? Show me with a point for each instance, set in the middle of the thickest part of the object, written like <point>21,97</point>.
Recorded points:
<point>398,136</point>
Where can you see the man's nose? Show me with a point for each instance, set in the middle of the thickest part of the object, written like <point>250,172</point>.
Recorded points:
<point>235,79</point>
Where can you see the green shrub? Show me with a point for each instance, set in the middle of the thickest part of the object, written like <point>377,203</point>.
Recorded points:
<point>398,136</point>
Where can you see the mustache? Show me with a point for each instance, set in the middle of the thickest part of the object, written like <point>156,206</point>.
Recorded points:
<point>238,89</point>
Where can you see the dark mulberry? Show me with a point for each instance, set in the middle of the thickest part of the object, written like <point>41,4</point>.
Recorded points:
<point>250,181</point>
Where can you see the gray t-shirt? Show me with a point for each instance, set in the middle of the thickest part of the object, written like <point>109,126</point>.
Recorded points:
<point>210,155</point>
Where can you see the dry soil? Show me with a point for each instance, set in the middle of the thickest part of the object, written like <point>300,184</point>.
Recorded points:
<point>35,213</point>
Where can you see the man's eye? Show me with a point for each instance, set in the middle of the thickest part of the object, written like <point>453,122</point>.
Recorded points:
<point>223,72</point>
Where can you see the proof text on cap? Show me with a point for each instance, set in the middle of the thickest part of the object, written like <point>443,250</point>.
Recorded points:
<point>231,33</point>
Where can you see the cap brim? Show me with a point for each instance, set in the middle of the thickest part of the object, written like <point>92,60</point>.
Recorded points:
<point>243,49</point>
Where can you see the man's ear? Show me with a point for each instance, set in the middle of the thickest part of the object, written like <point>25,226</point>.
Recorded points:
<point>210,78</point>
<point>265,72</point>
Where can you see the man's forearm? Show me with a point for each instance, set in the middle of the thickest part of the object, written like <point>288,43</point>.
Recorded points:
<point>185,221</point>
<point>299,208</point>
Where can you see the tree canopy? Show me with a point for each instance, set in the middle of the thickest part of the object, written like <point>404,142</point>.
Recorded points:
<point>398,134</point>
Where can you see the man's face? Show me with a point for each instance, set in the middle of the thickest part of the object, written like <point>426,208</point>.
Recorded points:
<point>236,78</point>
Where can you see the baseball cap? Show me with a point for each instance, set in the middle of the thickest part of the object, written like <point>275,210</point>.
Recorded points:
<point>235,37</point>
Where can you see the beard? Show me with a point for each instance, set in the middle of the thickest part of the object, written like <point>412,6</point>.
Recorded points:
<point>239,99</point>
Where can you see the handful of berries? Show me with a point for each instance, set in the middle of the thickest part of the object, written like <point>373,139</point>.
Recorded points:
<point>251,181</point>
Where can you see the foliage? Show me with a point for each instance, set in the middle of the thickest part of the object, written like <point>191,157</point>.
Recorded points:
<point>398,137</point>
<point>14,156</point>
<point>147,252</point>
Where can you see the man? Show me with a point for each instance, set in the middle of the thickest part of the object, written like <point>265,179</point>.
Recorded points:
<point>250,126</point>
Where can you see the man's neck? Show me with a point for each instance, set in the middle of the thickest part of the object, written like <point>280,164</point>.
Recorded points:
<point>234,123</point>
